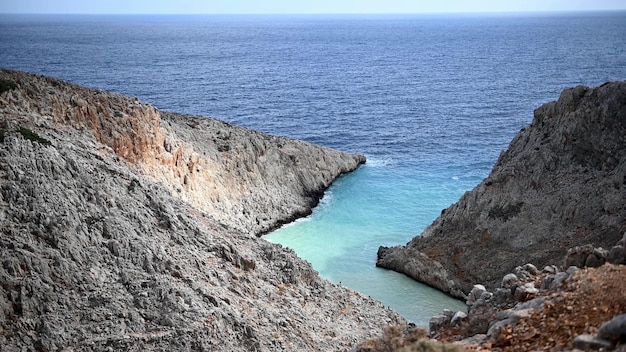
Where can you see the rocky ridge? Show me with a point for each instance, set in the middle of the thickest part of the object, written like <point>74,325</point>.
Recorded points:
<point>252,181</point>
<point>559,185</point>
<point>127,228</point>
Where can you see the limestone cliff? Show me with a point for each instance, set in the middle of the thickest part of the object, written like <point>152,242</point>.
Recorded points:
<point>560,184</point>
<point>249,180</point>
<point>252,181</point>
<point>127,228</point>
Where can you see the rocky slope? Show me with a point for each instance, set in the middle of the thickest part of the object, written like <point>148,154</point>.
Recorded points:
<point>579,305</point>
<point>560,184</point>
<point>126,228</point>
<point>548,310</point>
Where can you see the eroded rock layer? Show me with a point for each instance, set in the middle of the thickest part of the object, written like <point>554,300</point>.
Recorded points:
<point>560,184</point>
<point>126,228</point>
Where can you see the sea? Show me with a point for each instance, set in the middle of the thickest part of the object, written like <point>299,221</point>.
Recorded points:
<point>431,100</point>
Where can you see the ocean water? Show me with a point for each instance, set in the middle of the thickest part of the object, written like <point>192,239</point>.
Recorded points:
<point>431,100</point>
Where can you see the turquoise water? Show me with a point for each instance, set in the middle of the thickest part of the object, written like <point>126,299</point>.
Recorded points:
<point>376,205</point>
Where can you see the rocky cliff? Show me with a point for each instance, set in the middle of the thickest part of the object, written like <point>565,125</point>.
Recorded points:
<point>127,228</point>
<point>249,180</point>
<point>560,184</point>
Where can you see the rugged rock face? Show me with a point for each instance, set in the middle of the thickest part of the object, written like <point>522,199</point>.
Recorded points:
<point>250,180</point>
<point>560,184</point>
<point>125,228</point>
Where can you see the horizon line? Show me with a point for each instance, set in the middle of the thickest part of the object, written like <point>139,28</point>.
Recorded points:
<point>316,13</point>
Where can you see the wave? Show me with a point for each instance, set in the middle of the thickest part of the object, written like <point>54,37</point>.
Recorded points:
<point>326,199</point>
<point>287,225</point>
<point>378,162</point>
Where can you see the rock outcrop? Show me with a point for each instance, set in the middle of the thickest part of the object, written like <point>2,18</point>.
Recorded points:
<point>127,228</point>
<point>252,181</point>
<point>560,184</point>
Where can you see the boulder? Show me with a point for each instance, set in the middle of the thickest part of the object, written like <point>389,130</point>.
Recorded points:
<point>578,256</point>
<point>509,280</point>
<point>572,269</point>
<point>590,342</point>
<point>475,294</point>
<point>458,317</point>
<point>550,269</point>
<point>525,292</point>
<point>597,258</point>
<point>616,255</point>
<point>530,268</point>
<point>437,322</point>
<point>614,330</point>
<point>558,280</point>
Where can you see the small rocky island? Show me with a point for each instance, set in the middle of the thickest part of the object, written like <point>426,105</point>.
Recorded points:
<point>128,228</point>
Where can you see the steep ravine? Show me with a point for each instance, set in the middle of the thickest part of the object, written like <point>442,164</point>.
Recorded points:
<point>127,228</point>
<point>560,184</point>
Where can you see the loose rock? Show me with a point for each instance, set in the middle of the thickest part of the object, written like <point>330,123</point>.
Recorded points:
<point>614,330</point>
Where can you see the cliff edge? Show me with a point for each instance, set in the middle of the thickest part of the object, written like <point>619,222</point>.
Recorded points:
<point>127,228</point>
<point>560,184</point>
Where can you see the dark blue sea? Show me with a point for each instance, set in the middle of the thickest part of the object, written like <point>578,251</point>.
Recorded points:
<point>431,100</point>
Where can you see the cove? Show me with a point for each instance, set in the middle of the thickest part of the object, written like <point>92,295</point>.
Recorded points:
<point>381,203</point>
